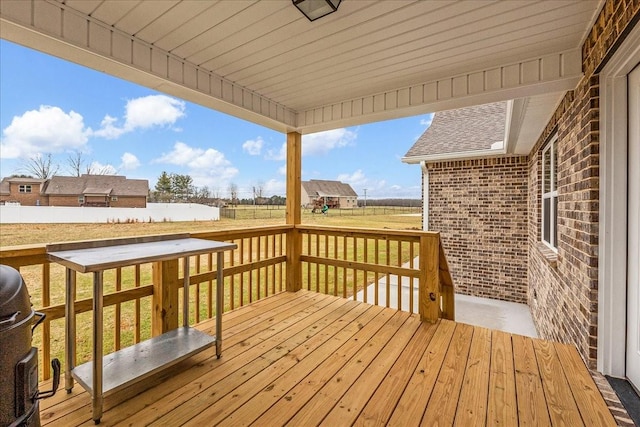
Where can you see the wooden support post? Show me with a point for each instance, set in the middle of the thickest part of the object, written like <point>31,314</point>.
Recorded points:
<point>446,285</point>
<point>294,200</point>
<point>429,291</point>
<point>165,297</point>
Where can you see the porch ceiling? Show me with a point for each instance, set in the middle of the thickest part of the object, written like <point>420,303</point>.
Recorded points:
<point>265,62</point>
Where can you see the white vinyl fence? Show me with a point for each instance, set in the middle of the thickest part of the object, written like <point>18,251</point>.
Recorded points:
<point>154,212</point>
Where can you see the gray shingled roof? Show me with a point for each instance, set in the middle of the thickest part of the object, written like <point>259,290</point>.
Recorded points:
<point>320,187</point>
<point>97,184</point>
<point>466,129</point>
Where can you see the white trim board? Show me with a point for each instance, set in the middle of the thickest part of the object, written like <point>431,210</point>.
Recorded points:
<point>612,256</point>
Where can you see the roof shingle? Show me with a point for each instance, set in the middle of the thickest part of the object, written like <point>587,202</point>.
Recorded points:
<point>474,128</point>
<point>320,187</point>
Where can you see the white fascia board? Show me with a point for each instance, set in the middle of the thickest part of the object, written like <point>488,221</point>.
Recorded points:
<point>462,155</point>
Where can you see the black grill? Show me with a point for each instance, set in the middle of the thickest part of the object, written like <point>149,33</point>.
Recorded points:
<point>19,393</point>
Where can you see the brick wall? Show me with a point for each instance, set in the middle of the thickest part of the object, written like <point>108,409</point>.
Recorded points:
<point>122,202</point>
<point>25,199</point>
<point>563,290</point>
<point>129,202</point>
<point>480,208</point>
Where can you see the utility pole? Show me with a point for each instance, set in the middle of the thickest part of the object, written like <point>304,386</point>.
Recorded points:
<point>365,197</point>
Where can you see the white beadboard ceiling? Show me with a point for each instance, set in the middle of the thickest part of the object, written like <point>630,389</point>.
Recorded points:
<point>371,60</point>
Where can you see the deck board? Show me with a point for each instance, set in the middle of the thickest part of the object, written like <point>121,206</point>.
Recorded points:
<point>309,359</point>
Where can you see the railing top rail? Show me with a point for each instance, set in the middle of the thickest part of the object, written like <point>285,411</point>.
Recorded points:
<point>41,248</point>
<point>242,232</point>
<point>367,231</point>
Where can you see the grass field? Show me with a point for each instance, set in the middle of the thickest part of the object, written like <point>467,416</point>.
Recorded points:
<point>27,234</point>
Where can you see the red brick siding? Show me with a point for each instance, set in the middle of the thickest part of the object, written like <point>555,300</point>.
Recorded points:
<point>563,295</point>
<point>122,202</point>
<point>25,199</point>
<point>480,209</point>
<point>63,200</point>
<point>129,202</point>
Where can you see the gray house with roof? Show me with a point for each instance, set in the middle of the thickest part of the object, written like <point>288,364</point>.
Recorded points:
<point>85,190</point>
<point>335,194</point>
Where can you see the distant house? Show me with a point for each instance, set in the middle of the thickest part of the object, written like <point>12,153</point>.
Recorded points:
<point>335,194</point>
<point>23,191</point>
<point>85,190</point>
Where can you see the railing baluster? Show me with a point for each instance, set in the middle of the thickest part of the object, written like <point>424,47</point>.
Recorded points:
<point>197,299</point>
<point>376,291</point>
<point>365,275</point>
<point>388,277</point>
<point>117,336</point>
<point>335,269</point>
<point>136,321</point>
<point>344,269</point>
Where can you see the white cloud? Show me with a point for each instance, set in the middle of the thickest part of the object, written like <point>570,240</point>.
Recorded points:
<point>153,110</point>
<point>47,130</point>
<point>375,188</point>
<point>143,113</point>
<point>207,167</point>
<point>282,170</point>
<point>253,147</point>
<point>426,121</point>
<point>277,155</point>
<point>129,161</point>
<point>323,142</point>
<point>357,178</point>
<point>275,187</point>
<point>108,128</point>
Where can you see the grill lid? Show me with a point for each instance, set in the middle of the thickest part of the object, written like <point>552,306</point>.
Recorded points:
<point>15,304</point>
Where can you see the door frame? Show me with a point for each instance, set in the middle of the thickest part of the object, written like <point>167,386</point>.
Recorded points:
<point>612,256</point>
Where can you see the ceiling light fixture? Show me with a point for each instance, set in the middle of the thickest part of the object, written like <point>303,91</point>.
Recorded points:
<point>314,9</point>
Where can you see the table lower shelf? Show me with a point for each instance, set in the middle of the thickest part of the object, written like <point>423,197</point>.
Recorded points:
<point>135,363</point>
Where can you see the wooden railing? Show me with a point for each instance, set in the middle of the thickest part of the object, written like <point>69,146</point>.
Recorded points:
<point>354,263</point>
<point>400,269</point>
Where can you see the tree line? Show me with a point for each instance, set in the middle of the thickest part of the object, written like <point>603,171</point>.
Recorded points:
<point>178,188</point>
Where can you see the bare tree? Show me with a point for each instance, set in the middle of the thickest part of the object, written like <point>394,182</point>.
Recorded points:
<point>233,193</point>
<point>92,169</point>
<point>41,166</point>
<point>258,193</point>
<point>76,163</point>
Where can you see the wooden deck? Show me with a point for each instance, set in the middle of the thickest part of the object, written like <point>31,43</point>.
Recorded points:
<point>304,359</point>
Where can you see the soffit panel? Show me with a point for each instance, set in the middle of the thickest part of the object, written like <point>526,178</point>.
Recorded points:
<point>265,56</point>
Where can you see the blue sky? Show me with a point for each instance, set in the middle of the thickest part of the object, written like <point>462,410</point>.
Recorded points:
<point>48,105</point>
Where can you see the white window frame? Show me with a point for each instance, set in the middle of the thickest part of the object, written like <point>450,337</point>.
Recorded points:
<point>552,195</point>
<point>114,198</point>
<point>25,188</point>
<point>80,199</point>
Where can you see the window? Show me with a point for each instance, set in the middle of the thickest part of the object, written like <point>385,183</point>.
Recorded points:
<point>25,189</point>
<point>81,199</point>
<point>114,198</point>
<point>550,194</point>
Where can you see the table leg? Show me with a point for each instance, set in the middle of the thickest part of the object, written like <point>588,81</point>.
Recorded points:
<point>97,346</point>
<point>70,333</point>
<point>219,298</point>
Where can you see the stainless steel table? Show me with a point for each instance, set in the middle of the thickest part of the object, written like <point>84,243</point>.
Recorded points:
<point>132,364</point>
